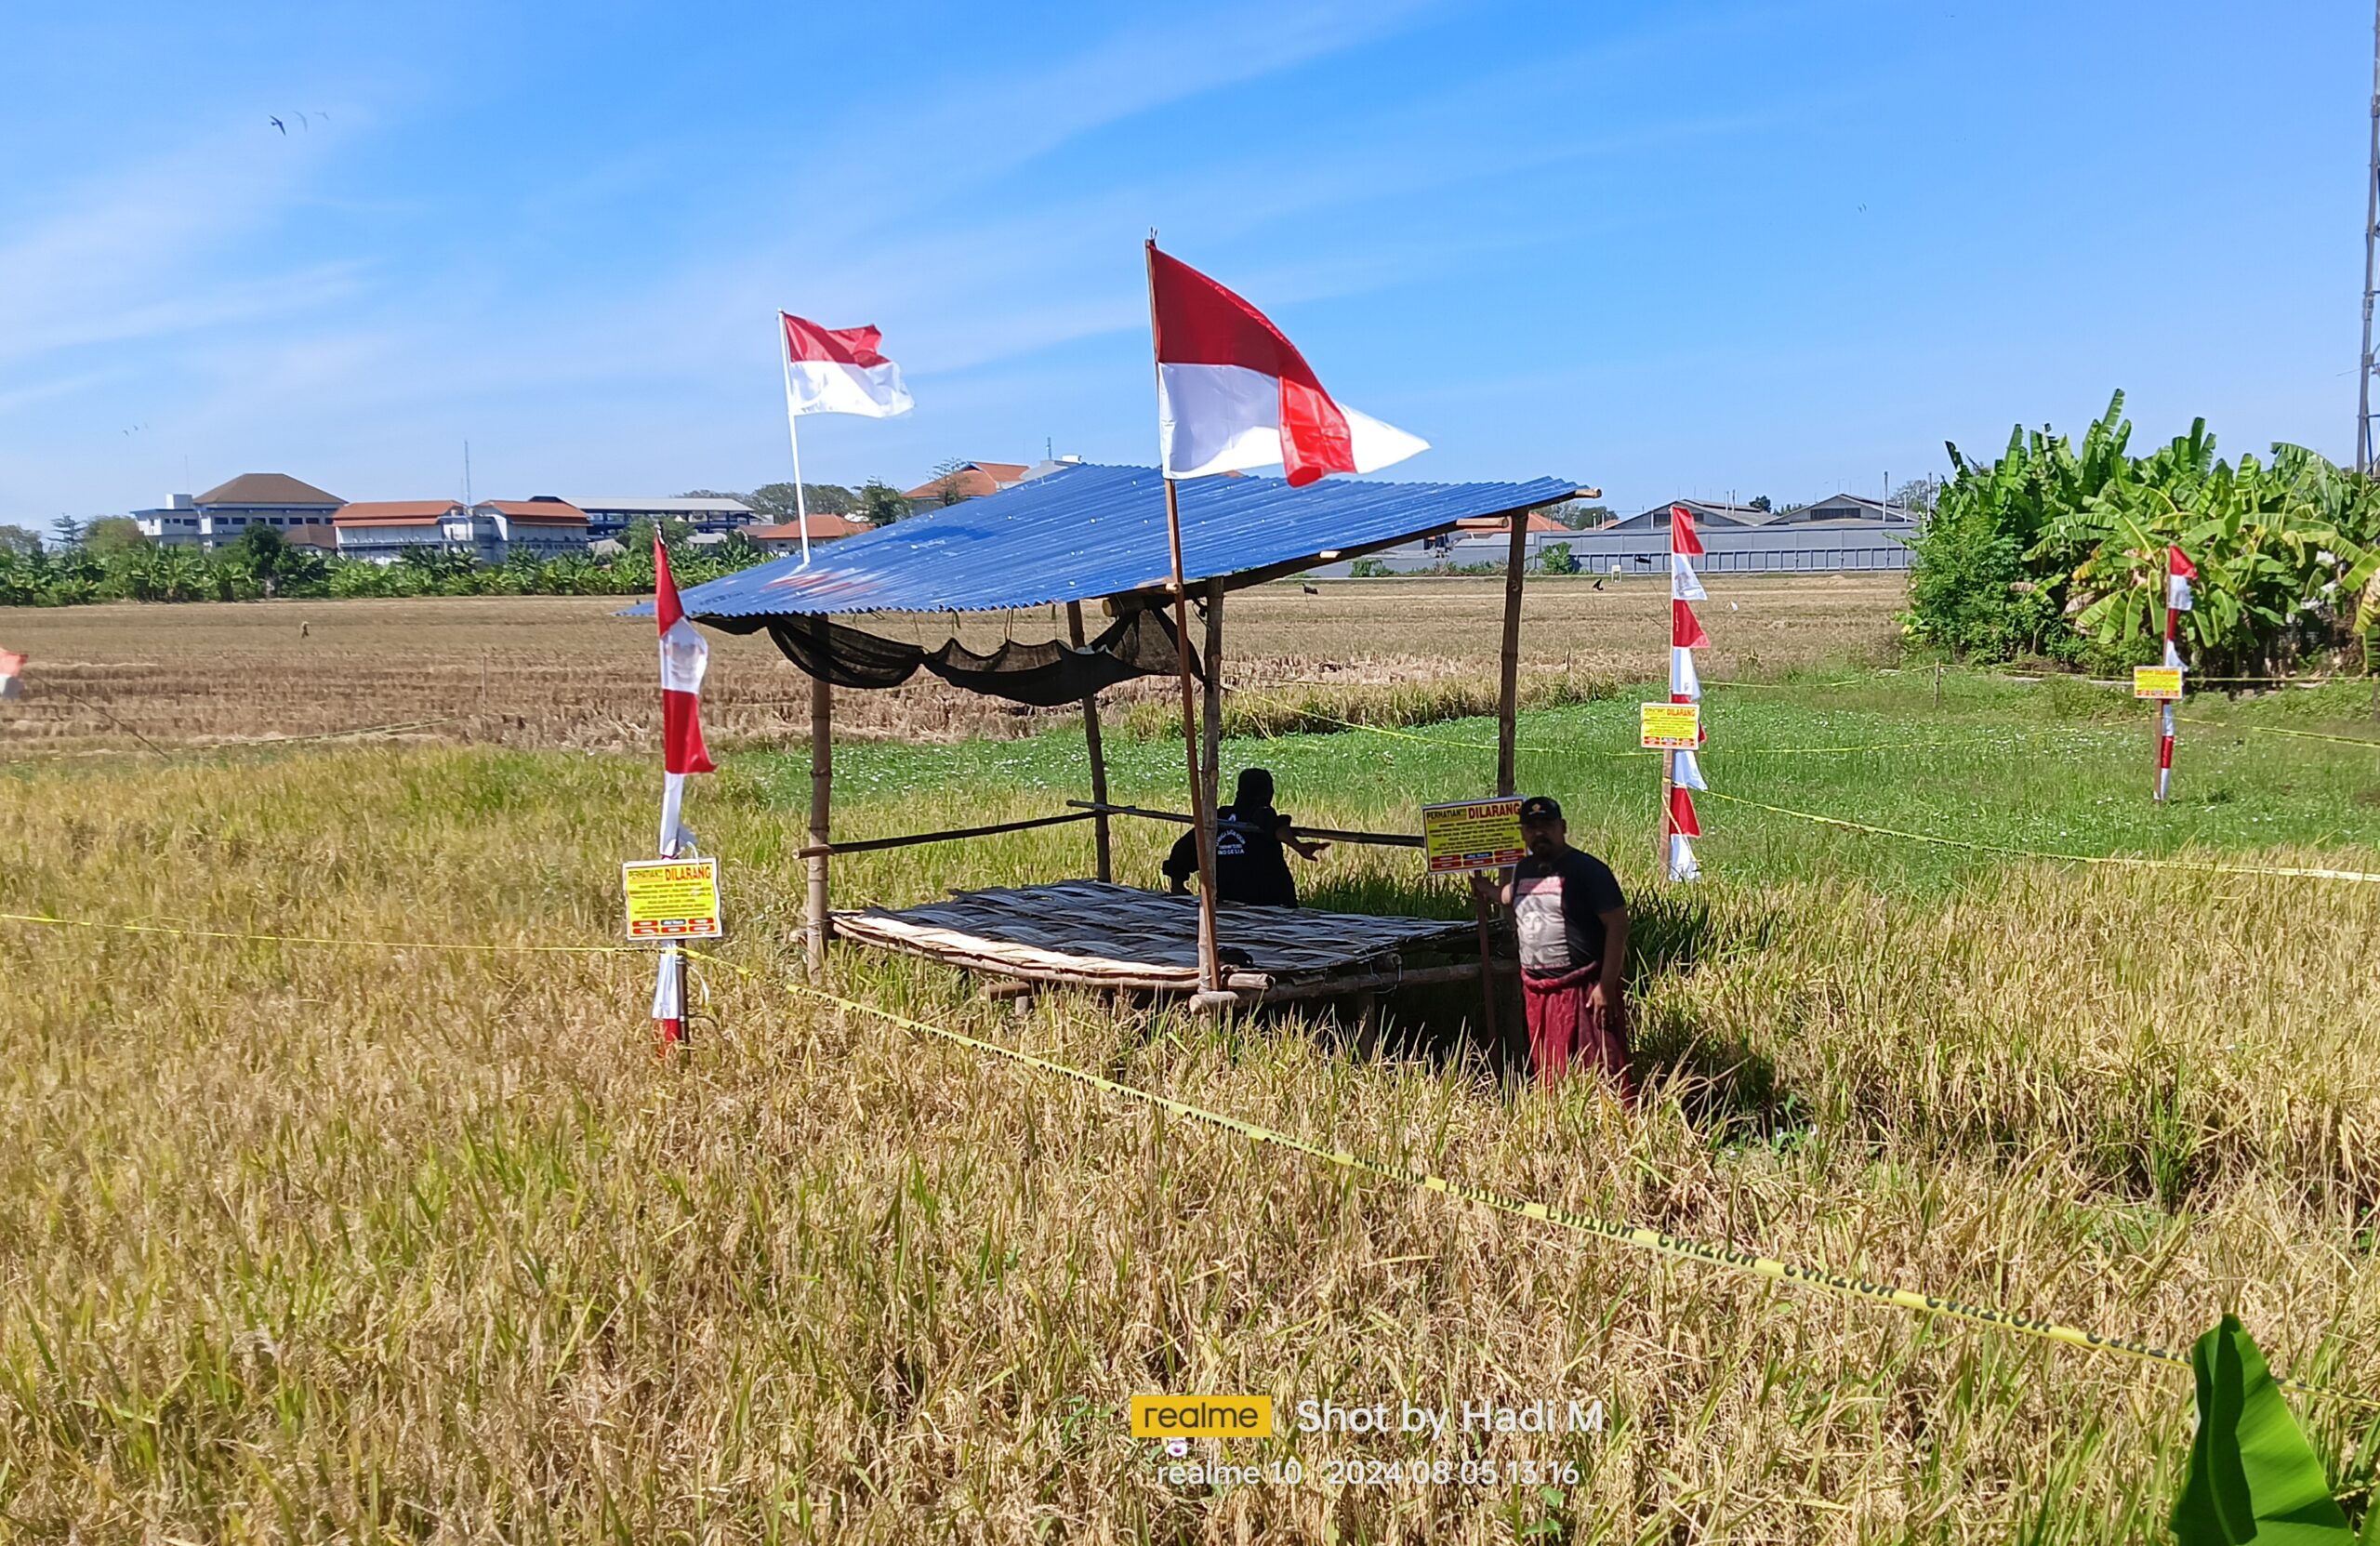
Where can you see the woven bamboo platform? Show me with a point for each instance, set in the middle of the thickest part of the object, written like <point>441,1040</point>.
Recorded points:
<point>1093,933</point>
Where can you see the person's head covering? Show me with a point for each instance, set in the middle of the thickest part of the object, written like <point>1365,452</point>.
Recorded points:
<point>1255,789</point>
<point>1540,808</point>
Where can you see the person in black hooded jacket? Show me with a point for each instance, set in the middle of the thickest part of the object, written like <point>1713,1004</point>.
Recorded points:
<point>1249,838</point>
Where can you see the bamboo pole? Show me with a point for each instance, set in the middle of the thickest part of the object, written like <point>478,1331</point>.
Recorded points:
<point>1211,995</point>
<point>1508,703</point>
<point>822,785</point>
<point>950,834</point>
<point>1509,662</point>
<point>1211,756</point>
<point>1328,834</point>
<point>1102,848</point>
<point>1201,813</point>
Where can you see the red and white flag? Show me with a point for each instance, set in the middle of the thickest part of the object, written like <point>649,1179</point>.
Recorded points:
<point>685,657</point>
<point>12,666</point>
<point>832,370</point>
<point>1233,392</point>
<point>1685,686</point>
<point>2179,573</point>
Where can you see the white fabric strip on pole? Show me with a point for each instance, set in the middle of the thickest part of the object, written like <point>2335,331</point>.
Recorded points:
<point>793,435</point>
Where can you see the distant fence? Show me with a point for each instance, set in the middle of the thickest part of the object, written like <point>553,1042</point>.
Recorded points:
<point>1727,550</point>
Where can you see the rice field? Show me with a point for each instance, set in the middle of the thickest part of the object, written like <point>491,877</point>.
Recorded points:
<point>565,672</point>
<point>386,1240</point>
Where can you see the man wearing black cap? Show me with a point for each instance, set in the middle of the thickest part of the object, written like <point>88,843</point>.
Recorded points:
<point>1250,836</point>
<point>1573,926</point>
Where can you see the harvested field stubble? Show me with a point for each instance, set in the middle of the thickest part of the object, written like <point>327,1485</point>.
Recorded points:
<point>564,671</point>
<point>305,1242</point>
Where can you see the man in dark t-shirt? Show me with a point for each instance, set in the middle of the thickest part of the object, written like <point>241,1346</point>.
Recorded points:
<point>1249,838</point>
<point>1573,926</point>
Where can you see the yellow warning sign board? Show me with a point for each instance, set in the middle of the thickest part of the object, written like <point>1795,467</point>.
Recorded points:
<point>1670,726</point>
<point>671,899</point>
<point>2161,682</point>
<point>1473,834</point>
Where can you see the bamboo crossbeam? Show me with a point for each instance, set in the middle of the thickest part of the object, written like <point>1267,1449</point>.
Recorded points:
<point>1329,834</point>
<point>912,839</point>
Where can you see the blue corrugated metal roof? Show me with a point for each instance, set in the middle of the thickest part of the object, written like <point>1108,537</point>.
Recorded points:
<point>1091,532</point>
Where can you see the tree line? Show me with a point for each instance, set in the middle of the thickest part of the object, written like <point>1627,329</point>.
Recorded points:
<point>100,564</point>
<point>2058,550</point>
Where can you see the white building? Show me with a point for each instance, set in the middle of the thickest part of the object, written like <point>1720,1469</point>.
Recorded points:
<point>217,518</point>
<point>540,528</point>
<point>608,518</point>
<point>491,531</point>
<point>382,530</point>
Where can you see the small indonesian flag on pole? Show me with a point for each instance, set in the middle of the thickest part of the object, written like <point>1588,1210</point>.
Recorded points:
<point>1233,392</point>
<point>685,657</point>
<point>2179,573</point>
<point>837,370</point>
<point>12,668</point>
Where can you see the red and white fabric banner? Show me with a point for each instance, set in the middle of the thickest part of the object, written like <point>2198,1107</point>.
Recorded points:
<point>2180,571</point>
<point>685,657</point>
<point>839,370</point>
<point>1685,686</point>
<point>12,668</point>
<point>1234,393</point>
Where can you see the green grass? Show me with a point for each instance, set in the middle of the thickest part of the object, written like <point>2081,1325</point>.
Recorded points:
<point>2059,767</point>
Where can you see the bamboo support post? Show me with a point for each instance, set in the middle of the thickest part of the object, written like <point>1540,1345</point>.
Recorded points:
<point>1507,697</point>
<point>822,785</point>
<point>1211,727</point>
<point>1508,704</point>
<point>1101,847</point>
<point>949,835</point>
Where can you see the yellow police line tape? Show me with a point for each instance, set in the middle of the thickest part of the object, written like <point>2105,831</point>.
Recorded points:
<point>1658,1241</point>
<point>2276,729</point>
<point>1560,751</point>
<point>2128,860</point>
<point>1653,1240</point>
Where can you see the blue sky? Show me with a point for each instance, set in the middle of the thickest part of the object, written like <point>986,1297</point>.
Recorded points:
<point>1672,249</point>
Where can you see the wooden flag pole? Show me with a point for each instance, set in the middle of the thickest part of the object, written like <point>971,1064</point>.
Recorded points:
<point>1211,995</point>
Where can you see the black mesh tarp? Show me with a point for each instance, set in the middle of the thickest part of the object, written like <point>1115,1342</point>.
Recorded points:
<point>1042,675</point>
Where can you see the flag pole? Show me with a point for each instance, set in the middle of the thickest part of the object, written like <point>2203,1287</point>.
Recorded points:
<point>2165,705</point>
<point>793,433</point>
<point>1210,992</point>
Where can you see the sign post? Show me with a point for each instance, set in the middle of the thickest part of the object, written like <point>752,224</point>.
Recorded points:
<point>1668,728</point>
<point>1466,836</point>
<point>671,899</point>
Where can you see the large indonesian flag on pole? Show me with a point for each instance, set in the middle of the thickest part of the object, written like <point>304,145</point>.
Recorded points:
<point>1233,392</point>
<point>832,370</point>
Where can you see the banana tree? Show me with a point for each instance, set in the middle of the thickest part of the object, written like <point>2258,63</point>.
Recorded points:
<point>2279,549</point>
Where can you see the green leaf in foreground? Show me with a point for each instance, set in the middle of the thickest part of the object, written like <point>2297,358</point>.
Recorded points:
<point>2252,1476</point>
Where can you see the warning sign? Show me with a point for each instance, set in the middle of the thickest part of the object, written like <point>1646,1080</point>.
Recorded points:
<point>1475,833</point>
<point>671,899</point>
<point>1670,726</point>
<point>2161,682</point>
